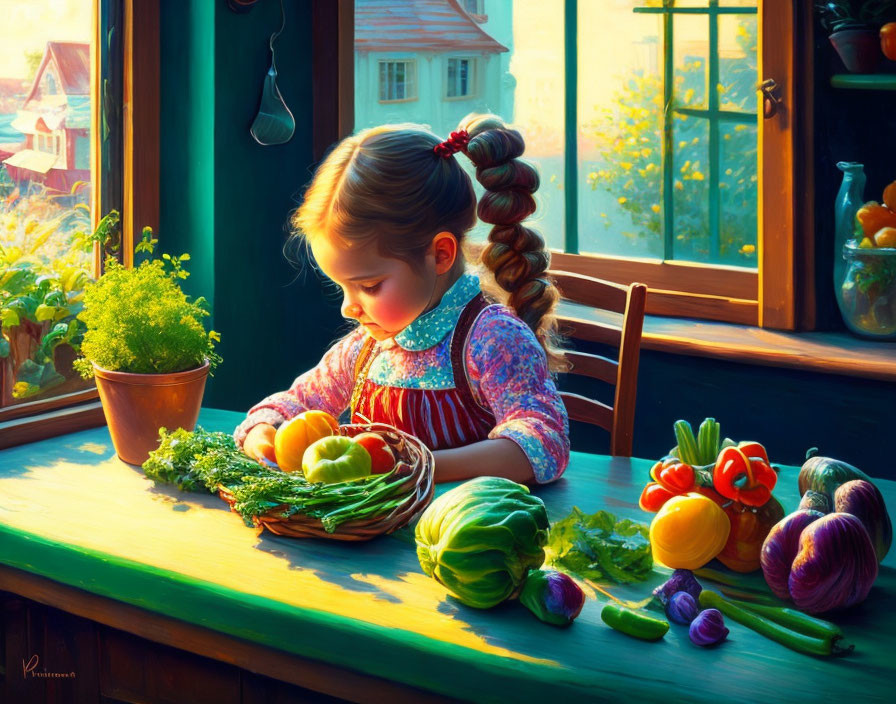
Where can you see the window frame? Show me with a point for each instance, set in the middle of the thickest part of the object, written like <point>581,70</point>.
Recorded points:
<point>139,198</point>
<point>472,78</point>
<point>409,62</point>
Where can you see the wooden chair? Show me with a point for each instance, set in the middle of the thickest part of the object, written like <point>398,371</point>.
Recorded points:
<point>625,335</point>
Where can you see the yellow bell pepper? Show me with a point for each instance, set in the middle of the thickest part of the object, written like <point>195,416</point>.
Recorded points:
<point>688,531</point>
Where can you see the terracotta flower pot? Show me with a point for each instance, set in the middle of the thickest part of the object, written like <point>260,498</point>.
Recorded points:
<point>137,405</point>
<point>859,49</point>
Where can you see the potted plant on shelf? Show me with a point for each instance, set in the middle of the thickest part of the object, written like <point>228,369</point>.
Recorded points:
<point>854,30</point>
<point>147,347</point>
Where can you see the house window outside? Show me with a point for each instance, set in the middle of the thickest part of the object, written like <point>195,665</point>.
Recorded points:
<point>398,80</point>
<point>461,77</point>
<point>474,7</point>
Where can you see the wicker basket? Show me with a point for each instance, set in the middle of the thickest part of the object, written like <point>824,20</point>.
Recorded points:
<point>414,461</point>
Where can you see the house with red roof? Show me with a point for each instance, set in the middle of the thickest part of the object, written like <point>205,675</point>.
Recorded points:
<point>431,61</point>
<point>55,120</point>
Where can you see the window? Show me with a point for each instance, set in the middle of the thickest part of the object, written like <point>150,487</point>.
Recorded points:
<point>67,157</point>
<point>461,78</point>
<point>474,7</point>
<point>398,80</point>
<point>647,173</point>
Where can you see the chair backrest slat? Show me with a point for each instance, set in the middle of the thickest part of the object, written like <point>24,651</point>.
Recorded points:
<point>596,293</point>
<point>629,302</point>
<point>587,410</point>
<point>594,366</point>
<point>592,331</point>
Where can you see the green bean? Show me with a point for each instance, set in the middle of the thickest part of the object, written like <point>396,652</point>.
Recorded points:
<point>801,642</point>
<point>796,620</point>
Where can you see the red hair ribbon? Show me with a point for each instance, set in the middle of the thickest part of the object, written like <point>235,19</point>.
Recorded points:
<point>457,142</point>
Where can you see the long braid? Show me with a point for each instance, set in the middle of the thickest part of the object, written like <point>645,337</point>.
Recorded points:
<point>516,255</point>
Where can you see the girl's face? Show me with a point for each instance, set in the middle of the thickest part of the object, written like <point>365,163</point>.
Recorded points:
<point>384,294</point>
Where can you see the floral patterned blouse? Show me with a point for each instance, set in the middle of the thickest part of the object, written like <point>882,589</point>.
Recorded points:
<point>505,365</point>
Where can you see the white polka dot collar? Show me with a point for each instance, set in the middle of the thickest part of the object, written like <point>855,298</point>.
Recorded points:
<point>430,328</point>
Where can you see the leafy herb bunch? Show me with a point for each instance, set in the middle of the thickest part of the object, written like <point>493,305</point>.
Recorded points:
<point>139,320</point>
<point>838,15</point>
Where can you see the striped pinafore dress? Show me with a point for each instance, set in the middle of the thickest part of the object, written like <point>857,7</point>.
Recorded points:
<point>441,418</point>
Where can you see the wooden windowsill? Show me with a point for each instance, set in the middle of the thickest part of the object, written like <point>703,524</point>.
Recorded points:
<point>825,352</point>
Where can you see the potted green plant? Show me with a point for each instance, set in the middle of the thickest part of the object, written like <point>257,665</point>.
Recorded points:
<point>854,30</point>
<point>147,347</point>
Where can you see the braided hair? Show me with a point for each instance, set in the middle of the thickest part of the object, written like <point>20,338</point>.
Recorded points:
<point>515,254</point>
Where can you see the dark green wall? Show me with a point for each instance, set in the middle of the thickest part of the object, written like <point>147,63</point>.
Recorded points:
<point>226,200</point>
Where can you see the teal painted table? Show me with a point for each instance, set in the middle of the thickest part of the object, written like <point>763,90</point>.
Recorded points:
<point>75,518</point>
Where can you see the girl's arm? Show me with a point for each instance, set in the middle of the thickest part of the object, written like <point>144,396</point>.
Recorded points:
<point>326,387</point>
<point>508,370</point>
<point>499,458</point>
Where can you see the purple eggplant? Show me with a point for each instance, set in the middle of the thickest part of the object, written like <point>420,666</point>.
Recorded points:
<point>708,628</point>
<point>781,547</point>
<point>864,501</point>
<point>682,608</point>
<point>680,581</point>
<point>820,562</point>
<point>836,564</point>
<point>552,596</point>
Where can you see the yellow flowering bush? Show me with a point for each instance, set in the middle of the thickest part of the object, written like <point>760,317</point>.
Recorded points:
<point>629,163</point>
<point>140,321</point>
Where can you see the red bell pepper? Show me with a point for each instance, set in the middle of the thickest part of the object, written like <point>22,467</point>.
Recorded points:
<point>742,477</point>
<point>674,475</point>
<point>653,496</point>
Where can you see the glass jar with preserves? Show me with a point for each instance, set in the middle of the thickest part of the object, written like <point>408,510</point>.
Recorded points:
<point>867,293</point>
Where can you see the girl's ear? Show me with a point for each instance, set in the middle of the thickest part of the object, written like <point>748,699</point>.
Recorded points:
<point>444,249</point>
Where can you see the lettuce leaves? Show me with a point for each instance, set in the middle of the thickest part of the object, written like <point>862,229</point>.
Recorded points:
<point>600,547</point>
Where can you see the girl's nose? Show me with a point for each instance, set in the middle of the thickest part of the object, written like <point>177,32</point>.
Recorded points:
<point>350,310</point>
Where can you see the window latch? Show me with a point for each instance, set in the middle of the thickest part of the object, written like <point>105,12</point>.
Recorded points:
<point>771,101</point>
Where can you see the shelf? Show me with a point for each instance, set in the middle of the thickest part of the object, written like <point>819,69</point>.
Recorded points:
<point>864,81</point>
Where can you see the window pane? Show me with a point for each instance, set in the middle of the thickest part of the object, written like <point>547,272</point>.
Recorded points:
<point>620,98</point>
<point>691,60</point>
<point>737,63</point>
<point>523,86</point>
<point>45,188</point>
<point>690,190</point>
<point>739,196</point>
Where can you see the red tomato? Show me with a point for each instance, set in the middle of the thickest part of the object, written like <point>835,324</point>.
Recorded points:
<point>888,40</point>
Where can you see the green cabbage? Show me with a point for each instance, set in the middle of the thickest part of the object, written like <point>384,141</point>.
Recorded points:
<point>481,538</point>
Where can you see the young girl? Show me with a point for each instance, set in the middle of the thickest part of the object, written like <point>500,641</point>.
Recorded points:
<point>385,219</point>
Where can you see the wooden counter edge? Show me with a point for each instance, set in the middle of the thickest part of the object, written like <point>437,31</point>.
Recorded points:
<point>310,674</point>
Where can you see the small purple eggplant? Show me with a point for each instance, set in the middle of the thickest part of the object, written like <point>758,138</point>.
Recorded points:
<point>682,608</point>
<point>680,581</point>
<point>708,628</point>
<point>552,596</point>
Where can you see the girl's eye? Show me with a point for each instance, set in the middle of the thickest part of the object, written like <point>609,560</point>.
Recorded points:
<point>372,288</point>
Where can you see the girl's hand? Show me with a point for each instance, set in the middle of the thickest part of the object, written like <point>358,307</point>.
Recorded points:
<point>259,442</point>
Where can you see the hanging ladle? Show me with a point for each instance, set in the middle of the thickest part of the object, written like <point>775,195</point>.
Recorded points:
<point>274,123</point>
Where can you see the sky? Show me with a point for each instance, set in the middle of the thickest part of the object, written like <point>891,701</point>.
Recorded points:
<point>29,24</point>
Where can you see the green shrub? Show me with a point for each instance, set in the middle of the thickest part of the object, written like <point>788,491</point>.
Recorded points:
<point>140,321</point>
